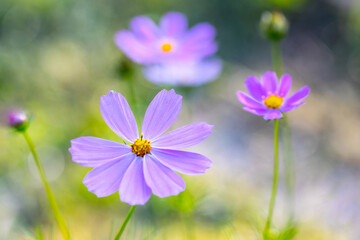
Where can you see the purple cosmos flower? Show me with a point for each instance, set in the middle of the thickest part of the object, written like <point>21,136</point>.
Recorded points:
<point>148,43</point>
<point>270,98</point>
<point>188,73</point>
<point>148,164</point>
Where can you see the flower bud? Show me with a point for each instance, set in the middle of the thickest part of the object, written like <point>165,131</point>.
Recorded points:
<point>274,25</point>
<point>18,120</point>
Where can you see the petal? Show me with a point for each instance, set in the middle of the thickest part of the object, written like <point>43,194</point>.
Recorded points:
<point>118,116</point>
<point>297,96</point>
<point>289,108</point>
<point>285,85</point>
<point>200,33</point>
<point>183,73</point>
<point>184,137</point>
<point>259,112</point>
<point>162,180</point>
<point>269,81</point>
<point>182,161</point>
<point>92,151</point>
<point>173,23</point>
<point>144,28</point>
<point>104,180</point>
<point>273,114</point>
<point>161,113</point>
<point>255,88</point>
<point>249,101</point>
<point>133,188</point>
<point>139,51</point>
<point>199,41</point>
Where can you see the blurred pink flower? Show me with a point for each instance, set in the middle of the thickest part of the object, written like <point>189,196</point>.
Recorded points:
<point>147,43</point>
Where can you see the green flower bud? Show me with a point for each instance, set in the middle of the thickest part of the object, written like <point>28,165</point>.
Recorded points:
<point>274,25</point>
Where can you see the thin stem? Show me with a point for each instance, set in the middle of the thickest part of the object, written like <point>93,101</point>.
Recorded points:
<point>277,62</point>
<point>276,57</point>
<point>51,198</point>
<point>123,226</point>
<point>275,178</point>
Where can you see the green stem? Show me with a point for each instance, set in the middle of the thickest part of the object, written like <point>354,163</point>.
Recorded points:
<point>275,178</point>
<point>51,198</point>
<point>276,57</point>
<point>277,62</point>
<point>123,226</point>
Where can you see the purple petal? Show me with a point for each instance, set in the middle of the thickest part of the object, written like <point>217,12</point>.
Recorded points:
<point>118,116</point>
<point>259,112</point>
<point>184,73</point>
<point>173,23</point>
<point>285,85</point>
<point>289,108</point>
<point>144,28</point>
<point>92,151</point>
<point>137,50</point>
<point>297,96</point>
<point>200,40</point>
<point>255,88</point>
<point>249,101</point>
<point>104,180</point>
<point>133,188</point>
<point>182,161</point>
<point>273,114</point>
<point>269,81</point>
<point>161,113</point>
<point>162,180</point>
<point>184,137</point>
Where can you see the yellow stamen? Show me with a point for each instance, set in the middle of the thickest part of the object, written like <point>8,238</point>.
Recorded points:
<point>273,101</point>
<point>166,47</point>
<point>141,146</point>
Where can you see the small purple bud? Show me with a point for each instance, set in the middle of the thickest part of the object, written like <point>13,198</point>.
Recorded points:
<point>18,120</point>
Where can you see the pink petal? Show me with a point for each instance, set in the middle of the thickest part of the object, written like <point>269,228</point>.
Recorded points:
<point>248,101</point>
<point>92,151</point>
<point>144,28</point>
<point>199,41</point>
<point>184,137</point>
<point>173,23</point>
<point>289,108</point>
<point>255,88</point>
<point>139,51</point>
<point>118,116</point>
<point>297,96</point>
<point>269,81</point>
<point>182,161</point>
<point>259,112</point>
<point>273,114</point>
<point>161,113</point>
<point>162,180</point>
<point>285,85</point>
<point>133,188</point>
<point>104,180</point>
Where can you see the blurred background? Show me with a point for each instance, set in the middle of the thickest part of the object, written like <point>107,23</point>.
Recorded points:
<point>57,58</point>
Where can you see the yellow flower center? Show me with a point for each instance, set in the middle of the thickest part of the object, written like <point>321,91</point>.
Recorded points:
<point>273,101</point>
<point>166,47</point>
<point>141,146</point>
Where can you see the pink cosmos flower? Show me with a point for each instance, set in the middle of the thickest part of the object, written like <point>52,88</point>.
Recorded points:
<point>148,163</point>
<point>147,43</point>
<point>269,98</point>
